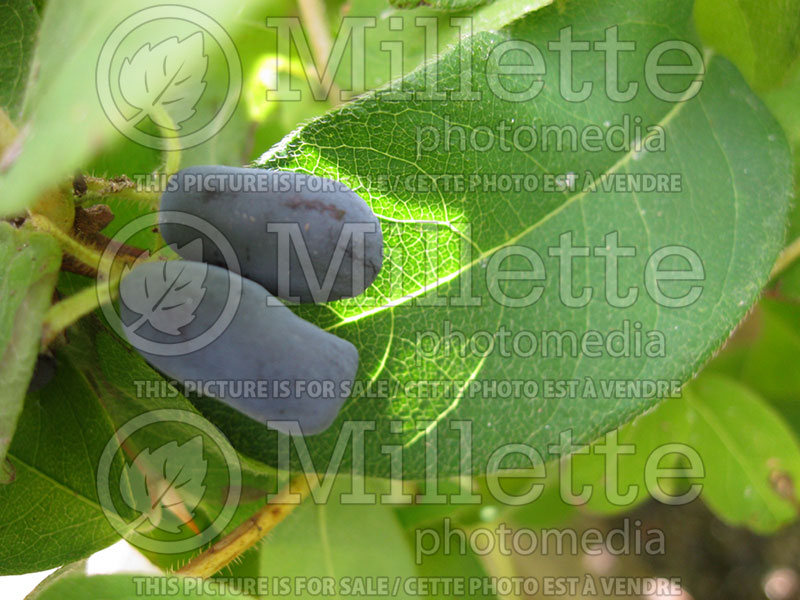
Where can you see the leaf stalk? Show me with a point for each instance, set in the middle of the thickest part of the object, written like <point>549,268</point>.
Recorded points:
<point>787,256</point>
<point>249,533</point>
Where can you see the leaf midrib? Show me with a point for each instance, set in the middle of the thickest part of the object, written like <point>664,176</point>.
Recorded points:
<point>623,160</point>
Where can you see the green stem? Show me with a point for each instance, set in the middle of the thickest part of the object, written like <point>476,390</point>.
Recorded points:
<point>63,314</point>
<point>172,164</point>
<point>66,312</point>
<point>8,132</point>
<point>172,159</point>
<point>789,254</point>
<point>88,256</point>
<point>144,197</point>
<point>313,15</point>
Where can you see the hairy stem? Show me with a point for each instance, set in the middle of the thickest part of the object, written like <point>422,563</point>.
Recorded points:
<point>88,256</point>
<point>249,533</point>
<point>173,150</point>
<point>99,190</point>
<point>143,197</point>
<point>789,254</point>
<point>313,13</point>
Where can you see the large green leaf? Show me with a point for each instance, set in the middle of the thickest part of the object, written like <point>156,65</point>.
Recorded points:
<point>734,166</point>
<point>66,124</point>
<point>29,264</point>
<point>339,544</point>
<point>748,456</point>
<point>52,513</point>
<point>18,24</point>
<point>647,439</point>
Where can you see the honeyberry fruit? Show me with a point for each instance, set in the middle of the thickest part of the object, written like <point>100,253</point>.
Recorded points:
<point>267,362</point>
<point>304,238</point>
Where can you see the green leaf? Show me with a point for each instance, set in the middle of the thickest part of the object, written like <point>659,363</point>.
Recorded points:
<point>413,35</point>
<point>346,543</point>
<point>735,172</point>
<point>761,38</point>
<point>52,514</point>
<point>66,122</point>
<point>18,24</point>
<point>770,362</point>
<point>29,264</point>
<point>787,285</point>
<point>173,470</point>
<point>762,355</point>
<point>117,374</point>
<point>500,13</point>
<point>68,570</point>
<point>623,491</point>
<point>132,587</point>
<point>782,102</point>
<point>440,563</point>
<point>752,459</point>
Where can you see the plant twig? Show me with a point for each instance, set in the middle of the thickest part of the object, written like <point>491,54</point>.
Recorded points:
<point>64,313</point>
<point>7,131</point>
<point>123,188</point>
<point>249,533</point>
<point>88,256</point>
<point>173,149</point>
<point>313,13</point>
<point>789,254</point>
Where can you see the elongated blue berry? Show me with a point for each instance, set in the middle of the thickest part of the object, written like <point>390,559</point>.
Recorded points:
<point>227,337</point>
<point>304,238</point>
